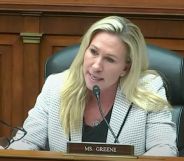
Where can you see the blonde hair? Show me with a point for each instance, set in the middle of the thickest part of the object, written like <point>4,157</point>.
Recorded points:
<point>74,93</point>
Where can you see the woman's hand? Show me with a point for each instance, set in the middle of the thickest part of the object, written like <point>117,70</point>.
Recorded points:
<point>1,147</point>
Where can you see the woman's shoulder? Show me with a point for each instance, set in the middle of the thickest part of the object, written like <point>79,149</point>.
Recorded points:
<point>150,75</point>
<point>57,77</point>
<point>55,80</point>
<point>151,80</point>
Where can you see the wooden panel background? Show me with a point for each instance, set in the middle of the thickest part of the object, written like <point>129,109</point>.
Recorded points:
<point>11,69</point>
<point>50,25</point>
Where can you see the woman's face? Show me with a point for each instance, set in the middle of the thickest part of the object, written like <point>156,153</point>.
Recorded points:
<point>104,61</point>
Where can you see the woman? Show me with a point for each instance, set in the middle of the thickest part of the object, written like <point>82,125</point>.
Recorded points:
<point>112,56</point>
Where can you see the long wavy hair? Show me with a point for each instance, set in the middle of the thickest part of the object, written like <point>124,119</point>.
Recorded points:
<point>74,94</point>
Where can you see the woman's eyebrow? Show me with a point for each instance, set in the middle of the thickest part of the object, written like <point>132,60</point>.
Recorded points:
<point>112,56</point>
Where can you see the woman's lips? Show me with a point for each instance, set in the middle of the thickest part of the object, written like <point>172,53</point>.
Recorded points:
<point>95,78</point>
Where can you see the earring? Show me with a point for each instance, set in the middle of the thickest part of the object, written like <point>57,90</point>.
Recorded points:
<point>122,75</point>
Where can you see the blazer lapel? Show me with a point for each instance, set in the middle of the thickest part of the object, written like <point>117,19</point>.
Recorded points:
<point>119,112</point>
<point>76,136</point>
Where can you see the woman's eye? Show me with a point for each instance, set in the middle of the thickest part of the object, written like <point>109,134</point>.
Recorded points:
<point>110,60</point>
<point>93,51</point>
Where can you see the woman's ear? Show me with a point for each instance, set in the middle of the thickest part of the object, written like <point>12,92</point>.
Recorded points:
<point>126,69</point>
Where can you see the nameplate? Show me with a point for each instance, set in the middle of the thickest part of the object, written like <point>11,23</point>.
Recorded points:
<point>100,148</point>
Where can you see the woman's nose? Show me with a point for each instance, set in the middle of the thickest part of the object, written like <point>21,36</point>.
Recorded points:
<point>98,64</point>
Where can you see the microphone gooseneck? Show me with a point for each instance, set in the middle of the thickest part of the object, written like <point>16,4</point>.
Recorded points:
<point>96,92</point>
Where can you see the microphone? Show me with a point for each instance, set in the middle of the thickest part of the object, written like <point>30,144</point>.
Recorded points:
<point>96,92</point>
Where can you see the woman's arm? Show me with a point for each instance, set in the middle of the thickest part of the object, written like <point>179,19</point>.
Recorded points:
<point>160,129</point>
<point>36,123</point>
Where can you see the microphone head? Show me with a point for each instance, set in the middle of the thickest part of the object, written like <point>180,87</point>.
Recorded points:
<point>96,91</point>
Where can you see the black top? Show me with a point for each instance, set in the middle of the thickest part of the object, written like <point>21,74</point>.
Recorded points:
<point>96,133</point>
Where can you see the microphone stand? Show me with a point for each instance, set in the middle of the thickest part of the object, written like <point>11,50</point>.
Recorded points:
<point>96,92</point>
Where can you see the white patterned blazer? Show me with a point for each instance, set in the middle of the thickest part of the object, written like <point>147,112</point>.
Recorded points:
<point>151,133</point>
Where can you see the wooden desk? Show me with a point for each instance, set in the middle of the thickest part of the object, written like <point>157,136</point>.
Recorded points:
<point>23,155</point>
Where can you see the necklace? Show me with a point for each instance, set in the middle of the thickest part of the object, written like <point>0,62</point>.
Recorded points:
<point>95,123</point>
<point>98,121</point>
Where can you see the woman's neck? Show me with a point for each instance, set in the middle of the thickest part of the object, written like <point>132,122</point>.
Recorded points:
<point>92,113</point>
<point>107,96</point>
